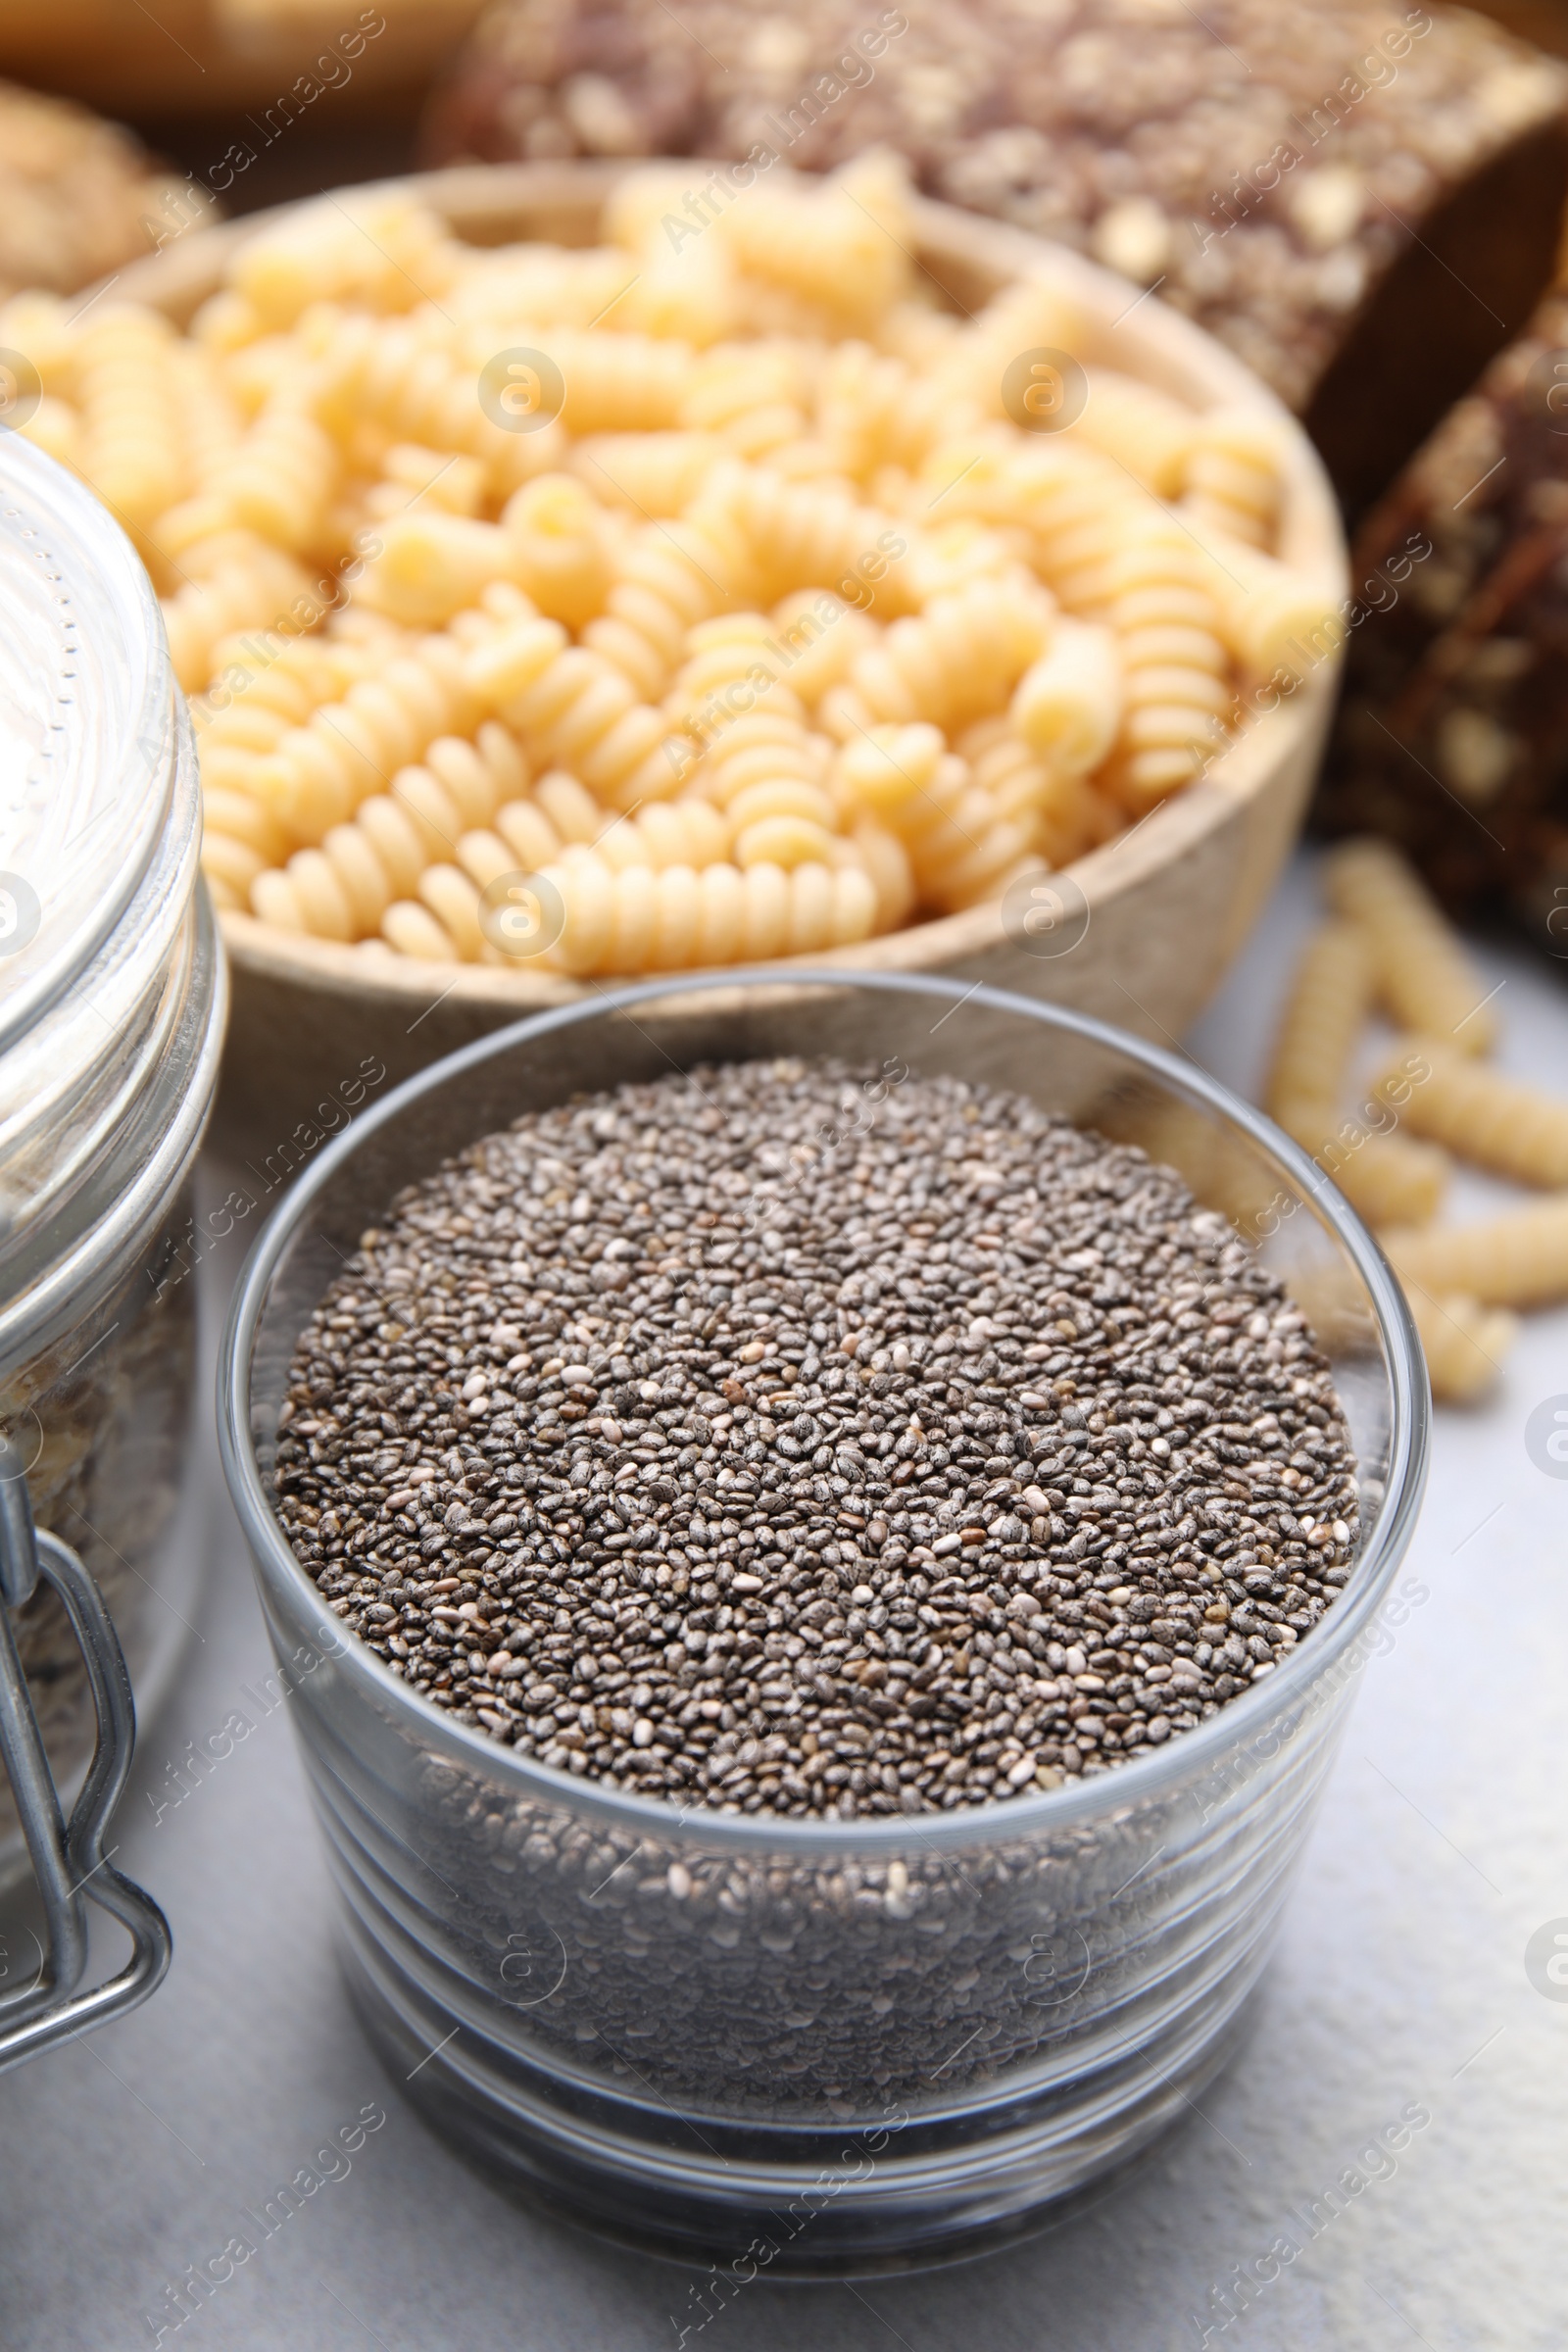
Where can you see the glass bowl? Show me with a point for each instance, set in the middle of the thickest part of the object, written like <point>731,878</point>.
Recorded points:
<point>814,2046</point>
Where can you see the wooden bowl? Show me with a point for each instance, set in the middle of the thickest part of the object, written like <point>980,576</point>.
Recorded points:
<point>1163,910</point>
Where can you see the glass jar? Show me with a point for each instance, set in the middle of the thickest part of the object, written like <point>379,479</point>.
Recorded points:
<point>111,1008</point>
<point>801,2044</point>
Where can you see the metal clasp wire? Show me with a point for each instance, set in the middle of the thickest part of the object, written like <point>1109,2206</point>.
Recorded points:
<point>67,1858</point>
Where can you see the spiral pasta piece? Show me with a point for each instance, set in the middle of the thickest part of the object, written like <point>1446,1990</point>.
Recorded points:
<point>434,566</point>
<point>819,636</point>
<point>320,772</point>
<point>559,548</point>
<point>1028,316</point>
<point>1517,1259</point>
<point>653,475</point>
<point>1075,506</point>
<point>450,895</point>
<point>1389,1179</point>
<point>752,395</point>
<point>874,410</point>
<point>210,425</point>
<point>187,539</point>
<point>525,829</point>
<point>767,749</point>
<point>1139,427</point>
<point>231,861</point>
<point>413,931</point>
<point>958,660</point>
<point>617,383</point>
<point>241,837</point>
<point>692,294</point>
<point>640,920</point>
<point>409,471</point>
<point>530,834</point>
<point>732,663</point>
<point>394,376</point>
<point>1278,622</point>
<point>887,868</point>
<point>580,713</point>
<point>809,535</point>
<point>263,684</point>
<point>381,248</point>
<point>126,392</point>
<point>1423,975</point>
<point>744,725</point>
<point>277,481</point>
<point>642,211</point>
<point>1176,691</point>
<point>843,243</point>
<point>342,890</point>
<point>667,833</point>
<point>1330,998</point>
<point>521,840</point>
<point>667,580</point>
<point>953,556</point>
<point>1060,813</point>
<point>1231,479</point>
<point>1497,1122</point>
<point>46,328</point>
<point>960,850</point>
<point>253,587</point>
<point>570,806</point>
<point>1464,1343</point>
<point>54,427</point>
<point>1068,705</point>
<point>550,284</point>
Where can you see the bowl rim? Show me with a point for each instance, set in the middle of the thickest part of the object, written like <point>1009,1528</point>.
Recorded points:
<point>1240,773</point>
<point>1143,1776</point>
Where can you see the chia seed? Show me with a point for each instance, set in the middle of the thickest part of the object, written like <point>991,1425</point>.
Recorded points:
<point>789,1440</point>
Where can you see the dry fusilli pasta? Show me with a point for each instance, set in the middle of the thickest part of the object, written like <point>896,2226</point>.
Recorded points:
<point>725,530</point>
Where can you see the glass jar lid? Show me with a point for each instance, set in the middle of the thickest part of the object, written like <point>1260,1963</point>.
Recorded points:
<point>111,994</point>
<point>86,731</point>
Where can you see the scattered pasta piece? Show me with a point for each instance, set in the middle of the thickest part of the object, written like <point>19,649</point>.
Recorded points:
<point>1464,1343</point>
<point>1423,975</point>
<point>1387,1178</point>
<point>1430,1097</point>
<point>1330,998</point>
<point>1517,1259</point>
<point>1497,1122</point>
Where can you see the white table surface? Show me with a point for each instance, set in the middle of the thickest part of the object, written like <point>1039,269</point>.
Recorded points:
<point>1400,1978</point>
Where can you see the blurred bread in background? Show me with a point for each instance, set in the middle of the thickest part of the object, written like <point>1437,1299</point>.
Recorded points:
<point>1452,739</point>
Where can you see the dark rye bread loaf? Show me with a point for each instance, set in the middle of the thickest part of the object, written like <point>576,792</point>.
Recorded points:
<point>1360,201</point>
<point>1453,735</point>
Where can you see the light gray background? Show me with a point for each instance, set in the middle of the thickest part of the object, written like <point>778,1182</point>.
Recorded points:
<point>1443,1845</point>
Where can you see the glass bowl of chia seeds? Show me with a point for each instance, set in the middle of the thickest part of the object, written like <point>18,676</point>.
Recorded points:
<point>822,1536</point>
